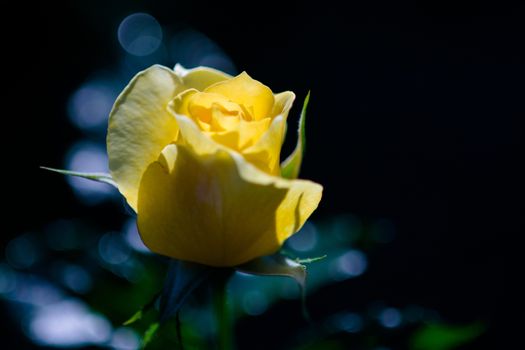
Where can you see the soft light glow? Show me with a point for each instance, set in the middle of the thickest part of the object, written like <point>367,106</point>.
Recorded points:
<point>390,317</point>
<point>89,106</point>
<point>68,324</point>
<point>140,34</point>
<point>112,249</point>
<point>22,252</point>
<point>351,264</point>
<point>76,278</point>
<point>34,291</point>
<point>254,303</point>
<point>125,338</point>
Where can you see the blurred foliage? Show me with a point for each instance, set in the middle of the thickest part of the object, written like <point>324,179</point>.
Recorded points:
<point>444,337</point>
<point>124,280</point>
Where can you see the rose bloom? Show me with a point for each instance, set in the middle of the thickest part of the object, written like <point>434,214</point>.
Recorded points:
<point>196,154</point>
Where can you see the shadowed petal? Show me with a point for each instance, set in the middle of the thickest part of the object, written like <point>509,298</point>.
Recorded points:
<point>140,127</point>
<point>217,209</point>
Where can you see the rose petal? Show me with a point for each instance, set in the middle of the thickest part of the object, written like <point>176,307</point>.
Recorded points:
<point>266,152</point>
<point>200,77</point>
<point>246,91</point>
<point>283,103</point>
<point>217,209</point>
<point>140,127</point>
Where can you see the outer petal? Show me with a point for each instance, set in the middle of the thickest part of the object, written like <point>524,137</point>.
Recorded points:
<point>200,77</point>
<point>140,127</point>
<point>218,209</point>
<point>283,103</point>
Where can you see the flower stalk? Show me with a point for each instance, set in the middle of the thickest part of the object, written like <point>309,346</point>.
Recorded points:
<point>223,315</point>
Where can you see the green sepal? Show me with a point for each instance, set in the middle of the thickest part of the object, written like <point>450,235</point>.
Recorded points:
<point>291,166</point>
<point>181,280</point>
<point>279,265</point>
<point>275,265</point>
<point>99,177</point>
<point>310,260</point>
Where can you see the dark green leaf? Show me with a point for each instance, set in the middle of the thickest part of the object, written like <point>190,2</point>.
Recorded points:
<point>99,177</point>
<point>182,278</point>
<point>444,337</point>
<point>291,166</point>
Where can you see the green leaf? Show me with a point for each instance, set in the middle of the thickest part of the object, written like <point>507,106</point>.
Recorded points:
<point>278,265</point>
<point>138,315</point>
<point>149,333</point>
<point>99,177</point>
<point>444,337</point>
<point>181,280</point>
<point>291,166</point>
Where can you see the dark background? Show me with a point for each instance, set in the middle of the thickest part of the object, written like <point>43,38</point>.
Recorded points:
<point>415,116</point>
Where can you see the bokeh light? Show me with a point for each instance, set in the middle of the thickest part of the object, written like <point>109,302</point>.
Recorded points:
<point>89,106</point>
<point>350,264</point>
<point>350,322</point>
<point>112,249</point>
<point>22,252</point>
<point>140,34</point>
<point>125,338</point>
<point>254,302</point>
<point>390,317</point>
<point>75,277</point>
<point>68,323</point>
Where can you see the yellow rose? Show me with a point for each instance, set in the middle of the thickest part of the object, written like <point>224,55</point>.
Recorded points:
<point>196,154</point>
